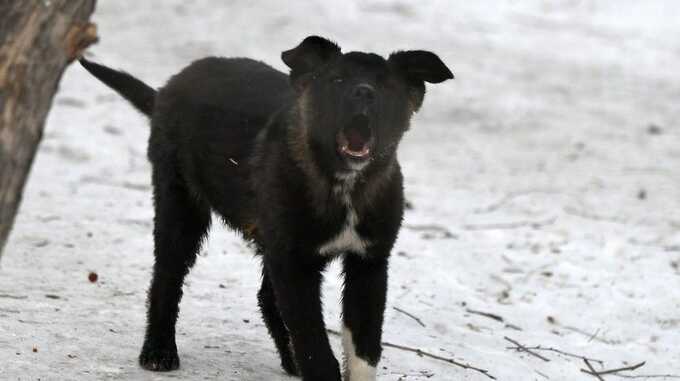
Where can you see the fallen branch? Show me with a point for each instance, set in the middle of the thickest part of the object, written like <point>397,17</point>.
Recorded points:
<point>423,353</point>
<point>522,348</point>
<point>412,316</point>
<point>594,372</point>
<point>600,373</point>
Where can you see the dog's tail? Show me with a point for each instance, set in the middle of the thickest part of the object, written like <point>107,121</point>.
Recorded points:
<point>138,93</point>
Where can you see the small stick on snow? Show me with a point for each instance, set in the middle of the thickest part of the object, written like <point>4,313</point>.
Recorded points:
<point>18,297</point>
<point>486,314</point>
<point>594,335</point>
<point>493,316</point>
<point>509,197</point>
<point>412,316</point>
<point>593,372</point>
<point>551,349</point>
<point>589,335</point>
<point>511,225</point>
<point>432,228</point>
<point>423,353</point>
<point>522,348</point>
<point>592,216</point>
<point>646,376</point>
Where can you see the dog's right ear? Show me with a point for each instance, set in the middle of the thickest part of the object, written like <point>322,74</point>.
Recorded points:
<point>418,67</point>
<point>312,52</point>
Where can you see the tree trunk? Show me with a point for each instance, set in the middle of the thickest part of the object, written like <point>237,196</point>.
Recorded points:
<point>38,39</point>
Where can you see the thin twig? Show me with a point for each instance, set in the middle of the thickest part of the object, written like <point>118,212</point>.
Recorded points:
<point>509,197</point>
<point>493,316</point>
<point>431,228</point>
<point>511,225</point>
<point>551,349</point>
<point>594,335</point>
<point>423,353</point>
<point>592,216</point>
<point>647,376</point>
<point>522,348</point>
<point>412,316</point>
<point>420,352</point>
<point>18,297</point>
<point>427,227</point>
<point>486,314</point>
<point>612,371</point>
<point>592,372</point>
<point>589,335</point>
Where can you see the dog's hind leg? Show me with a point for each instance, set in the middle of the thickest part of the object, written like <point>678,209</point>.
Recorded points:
<point>277,329</point>
<point>181,221</point>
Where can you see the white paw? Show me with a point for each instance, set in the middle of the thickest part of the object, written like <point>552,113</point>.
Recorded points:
<point>356,368</point>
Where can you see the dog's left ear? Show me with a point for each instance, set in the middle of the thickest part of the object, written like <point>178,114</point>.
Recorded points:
<point>418,67</point>
<point>312,52</point>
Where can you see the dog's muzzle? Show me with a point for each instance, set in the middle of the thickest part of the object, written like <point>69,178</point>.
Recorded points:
<point>355,139</point>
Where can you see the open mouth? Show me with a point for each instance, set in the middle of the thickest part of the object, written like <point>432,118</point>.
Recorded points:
<point>354,140</point>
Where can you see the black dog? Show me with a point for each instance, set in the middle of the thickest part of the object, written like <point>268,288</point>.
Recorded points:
<point>302,165</point>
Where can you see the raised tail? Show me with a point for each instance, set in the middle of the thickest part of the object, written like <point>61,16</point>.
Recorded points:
<point>135,91</point>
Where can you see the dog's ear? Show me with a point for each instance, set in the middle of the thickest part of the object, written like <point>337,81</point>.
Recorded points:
<point>312,52</point>
<point>418,67</point>
<point>421,65</point>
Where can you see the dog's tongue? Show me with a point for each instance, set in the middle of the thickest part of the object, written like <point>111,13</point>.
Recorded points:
<point>355,141</point>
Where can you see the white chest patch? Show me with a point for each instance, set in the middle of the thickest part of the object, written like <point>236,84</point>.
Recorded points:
<point>348,239</point>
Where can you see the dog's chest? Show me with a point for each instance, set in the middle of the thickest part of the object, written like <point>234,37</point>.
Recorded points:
<point>348,239</point>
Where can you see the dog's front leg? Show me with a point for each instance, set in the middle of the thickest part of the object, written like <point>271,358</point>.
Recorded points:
<point>296,280</point>
<point>363,308</point>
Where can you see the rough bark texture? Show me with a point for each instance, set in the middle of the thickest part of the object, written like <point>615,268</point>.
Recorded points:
<point>38,39</point>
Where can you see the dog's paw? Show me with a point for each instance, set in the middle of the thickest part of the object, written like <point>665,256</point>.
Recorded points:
<point>159,359</point>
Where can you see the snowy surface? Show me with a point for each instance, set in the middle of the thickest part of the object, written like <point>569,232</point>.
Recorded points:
<point>544,180</point>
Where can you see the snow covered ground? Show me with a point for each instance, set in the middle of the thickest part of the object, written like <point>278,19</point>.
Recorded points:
<point>545,183</point>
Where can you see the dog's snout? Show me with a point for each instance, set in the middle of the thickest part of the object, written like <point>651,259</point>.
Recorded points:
<point>364,92</point>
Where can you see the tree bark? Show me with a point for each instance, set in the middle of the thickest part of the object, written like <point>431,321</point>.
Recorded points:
<point>38,39</point>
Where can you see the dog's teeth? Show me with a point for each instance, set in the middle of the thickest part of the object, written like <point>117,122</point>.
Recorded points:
<point>364,151</point>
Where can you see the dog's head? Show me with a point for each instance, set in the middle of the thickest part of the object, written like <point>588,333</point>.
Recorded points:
<point>356,106</point>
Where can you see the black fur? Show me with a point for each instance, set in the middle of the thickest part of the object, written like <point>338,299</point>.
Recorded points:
<point>288,161</point>
<point>137,92</point>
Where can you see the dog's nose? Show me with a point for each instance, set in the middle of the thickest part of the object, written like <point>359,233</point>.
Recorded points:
<point>364,92</point>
